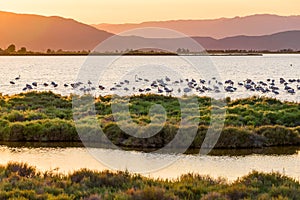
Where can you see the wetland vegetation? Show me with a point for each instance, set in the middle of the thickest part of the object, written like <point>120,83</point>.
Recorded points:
<point>21,181</point>
<point>250,122</point>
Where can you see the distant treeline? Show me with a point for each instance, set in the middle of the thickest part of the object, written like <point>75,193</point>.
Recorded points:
<point>12,50</point>
<point>252,51</point>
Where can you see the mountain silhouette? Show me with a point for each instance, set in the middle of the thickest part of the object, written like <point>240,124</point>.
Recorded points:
<point>39,33</point>
<point>254,25</point>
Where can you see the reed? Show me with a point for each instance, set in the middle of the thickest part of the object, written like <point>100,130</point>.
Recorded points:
<point>21,181</point>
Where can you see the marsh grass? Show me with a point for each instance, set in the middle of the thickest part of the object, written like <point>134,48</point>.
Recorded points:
<point>21,181</point>
<point>250,122</point>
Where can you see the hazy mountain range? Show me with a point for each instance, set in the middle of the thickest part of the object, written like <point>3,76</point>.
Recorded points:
<point>40,33</point>
<point>254,25</point>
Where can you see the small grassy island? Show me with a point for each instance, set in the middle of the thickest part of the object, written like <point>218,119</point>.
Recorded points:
<point>249,123</point>
<point>20,181</point>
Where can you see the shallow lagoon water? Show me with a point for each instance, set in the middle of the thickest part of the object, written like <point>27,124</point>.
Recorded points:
<point>65,69</point>
<point>229,164</point>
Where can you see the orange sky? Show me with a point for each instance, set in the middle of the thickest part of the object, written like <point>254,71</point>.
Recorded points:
<point>122,11</point>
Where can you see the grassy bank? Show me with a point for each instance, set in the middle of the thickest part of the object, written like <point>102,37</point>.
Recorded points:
<point>20,181</point>
<point>250,122</point>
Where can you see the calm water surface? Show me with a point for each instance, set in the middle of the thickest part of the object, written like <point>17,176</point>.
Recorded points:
<point>64,69</point>
<point>230,164</point>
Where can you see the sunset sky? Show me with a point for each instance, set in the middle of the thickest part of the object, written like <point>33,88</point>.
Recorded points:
<point>134,11</point>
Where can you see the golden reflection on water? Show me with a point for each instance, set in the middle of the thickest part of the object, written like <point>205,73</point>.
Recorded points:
<point>231,167</point>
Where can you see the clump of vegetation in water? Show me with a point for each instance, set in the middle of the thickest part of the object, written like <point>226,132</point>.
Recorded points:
<point>250,122</point>
<point>21,181</point>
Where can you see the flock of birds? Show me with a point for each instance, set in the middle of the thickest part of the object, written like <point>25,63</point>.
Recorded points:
<point>182,86</point>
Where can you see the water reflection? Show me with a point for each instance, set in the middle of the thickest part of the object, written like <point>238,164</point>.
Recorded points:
<point>259,151</point>
<point>230,164</point>
<point>287,150</point>
<point>42,144</point>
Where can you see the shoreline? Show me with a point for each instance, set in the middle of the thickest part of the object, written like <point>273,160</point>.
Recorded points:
<point>208,54</point>
<point>271,150</point>
<point>156,54</point>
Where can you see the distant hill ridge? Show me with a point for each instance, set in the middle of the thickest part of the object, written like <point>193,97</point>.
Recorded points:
<point>253,25</point>
<point>39,33</point>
